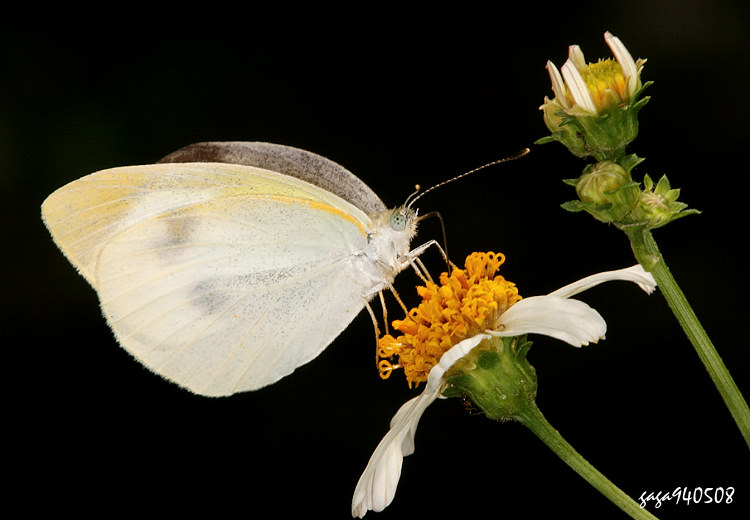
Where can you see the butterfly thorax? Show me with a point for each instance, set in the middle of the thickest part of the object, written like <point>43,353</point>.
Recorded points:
<point>387,250</point>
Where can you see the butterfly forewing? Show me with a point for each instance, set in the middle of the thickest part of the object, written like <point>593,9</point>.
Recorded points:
<point>288,160</point>
<point>222,278</point>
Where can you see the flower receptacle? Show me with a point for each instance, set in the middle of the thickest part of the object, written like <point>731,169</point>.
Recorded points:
<point>496,377</point>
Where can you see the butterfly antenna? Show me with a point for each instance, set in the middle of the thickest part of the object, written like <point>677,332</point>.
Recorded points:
<point>411,199</point>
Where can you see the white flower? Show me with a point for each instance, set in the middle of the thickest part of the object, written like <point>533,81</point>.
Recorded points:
<point>554,315</point>
<point>605,84</point>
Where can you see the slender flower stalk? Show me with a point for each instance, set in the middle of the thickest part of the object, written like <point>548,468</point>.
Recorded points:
<point>648,254</point>
<point>594,114</point>
<point>537,423</point>
<point>469,334</point>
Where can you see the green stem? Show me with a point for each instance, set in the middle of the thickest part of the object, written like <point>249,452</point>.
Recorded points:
<point>533,419</point>
<point>648,255</point>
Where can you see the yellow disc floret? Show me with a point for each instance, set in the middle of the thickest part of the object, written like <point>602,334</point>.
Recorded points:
<point>467,302</point>
<point>606,84</point>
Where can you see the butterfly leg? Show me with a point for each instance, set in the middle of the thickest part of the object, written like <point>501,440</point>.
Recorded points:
<point>375,326</point>
<point>412,257</point>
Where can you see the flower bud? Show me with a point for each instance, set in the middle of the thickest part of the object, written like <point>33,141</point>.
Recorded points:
<point>599,180</point>
<point>658,205</point>
<point>606,191</point>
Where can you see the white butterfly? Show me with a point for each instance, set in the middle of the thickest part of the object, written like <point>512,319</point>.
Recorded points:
<point>225,266</point>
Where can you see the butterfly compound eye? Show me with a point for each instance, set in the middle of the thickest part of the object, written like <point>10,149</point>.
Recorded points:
<point>398,220</point>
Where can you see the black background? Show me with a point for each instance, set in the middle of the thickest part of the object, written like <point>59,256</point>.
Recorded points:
<point>400,96</point>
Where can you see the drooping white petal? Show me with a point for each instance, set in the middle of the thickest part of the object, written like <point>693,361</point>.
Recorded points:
<point>558,87</point>
<point>635,274</point>
<point>571,321</point>
<point>624,58</point>
<point>577,86</point>
<point>377,485</point>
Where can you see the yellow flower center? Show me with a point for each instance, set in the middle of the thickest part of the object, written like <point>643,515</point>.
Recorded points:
<point>606,84</point>
<point>467,302</point>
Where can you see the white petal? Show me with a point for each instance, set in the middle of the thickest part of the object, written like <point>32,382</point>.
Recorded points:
<point>578,88</point>
<point>624,58</point>
<point>575,54</point>
<point>571,321</point>
<point>377,485</point>
<point>635,274</point>
<point>456,352</point>
<point>558,87</point>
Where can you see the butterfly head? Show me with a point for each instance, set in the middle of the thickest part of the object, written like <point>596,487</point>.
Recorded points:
<point>403,219</point>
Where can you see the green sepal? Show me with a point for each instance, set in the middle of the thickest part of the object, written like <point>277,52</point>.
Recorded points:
<point>644,86</point>
<point>546,139</point>
<point>630,161</point>
<point>574,206</point>
<point>636,107</point>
